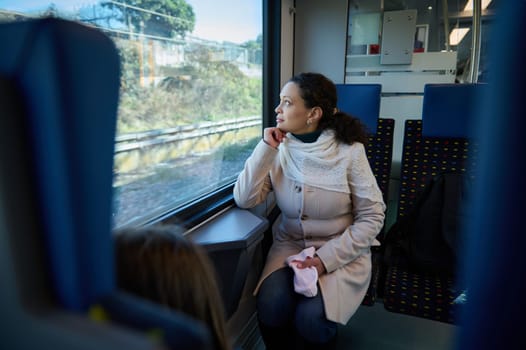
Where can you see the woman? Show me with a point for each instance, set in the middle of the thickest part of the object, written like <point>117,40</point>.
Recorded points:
<point>315,162</point>
<point>161,265</point>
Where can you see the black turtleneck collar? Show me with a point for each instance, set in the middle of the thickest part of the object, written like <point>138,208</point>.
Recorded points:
<point>309,137</point>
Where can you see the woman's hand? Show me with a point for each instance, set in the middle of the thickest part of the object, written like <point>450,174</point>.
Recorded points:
<point>315,261</point>
<point>273,136</point>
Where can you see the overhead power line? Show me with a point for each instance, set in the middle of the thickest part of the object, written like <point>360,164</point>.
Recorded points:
<point>148,11</point>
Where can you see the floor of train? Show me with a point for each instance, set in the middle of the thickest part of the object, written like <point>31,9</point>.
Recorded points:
<point>375,328</point>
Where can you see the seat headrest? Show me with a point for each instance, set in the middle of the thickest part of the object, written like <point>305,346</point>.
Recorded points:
<point>361,101</point>
<point>449,109</point>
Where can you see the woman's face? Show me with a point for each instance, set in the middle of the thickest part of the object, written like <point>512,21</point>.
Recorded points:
<point>292,115</point>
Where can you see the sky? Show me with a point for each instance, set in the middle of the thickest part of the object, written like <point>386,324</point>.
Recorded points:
<point>220,20</point>
<point>237,20</point>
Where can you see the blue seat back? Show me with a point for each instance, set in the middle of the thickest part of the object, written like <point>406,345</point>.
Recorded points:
<point>448,110</point>
<point>68,76</point>
<point>59,86</point>
<point>440,142</point>
<point>361,101</point>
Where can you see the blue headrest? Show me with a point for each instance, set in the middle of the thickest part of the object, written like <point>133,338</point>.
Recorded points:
<point>361,101</point>
<point>448,109</point>
<point>68,75</point>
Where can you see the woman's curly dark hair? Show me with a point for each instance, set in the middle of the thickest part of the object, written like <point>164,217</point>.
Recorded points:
<point>319,91</point>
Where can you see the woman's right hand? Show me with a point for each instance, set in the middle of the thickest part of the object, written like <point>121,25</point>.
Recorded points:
<point>273,136</point>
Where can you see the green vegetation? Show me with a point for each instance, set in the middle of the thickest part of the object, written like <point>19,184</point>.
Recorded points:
<point>164,18</point>
<point>191,82</point>
<point>202,89</point>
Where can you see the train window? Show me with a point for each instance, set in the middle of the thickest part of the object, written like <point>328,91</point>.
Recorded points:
<point>191,94</point>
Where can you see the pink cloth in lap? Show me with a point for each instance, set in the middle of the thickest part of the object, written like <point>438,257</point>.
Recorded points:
<point>304,279</point>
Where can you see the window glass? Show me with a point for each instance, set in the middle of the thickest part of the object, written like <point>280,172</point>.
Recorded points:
<point>191,94</point>
<point>364,40</point>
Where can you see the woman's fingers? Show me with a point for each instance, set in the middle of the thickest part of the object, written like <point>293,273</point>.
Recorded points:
<point>304,263</point>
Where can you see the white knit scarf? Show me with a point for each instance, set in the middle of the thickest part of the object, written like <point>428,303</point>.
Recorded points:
<point>319,164</point>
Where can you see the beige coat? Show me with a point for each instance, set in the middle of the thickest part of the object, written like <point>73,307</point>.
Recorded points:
<point>340,226</point>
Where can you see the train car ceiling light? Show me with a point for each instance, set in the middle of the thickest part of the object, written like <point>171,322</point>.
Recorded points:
<point>456,35</point>
<point>469,5</point>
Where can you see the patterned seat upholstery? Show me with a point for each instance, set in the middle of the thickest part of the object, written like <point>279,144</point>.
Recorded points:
<point>424,156</point>
<point>380,154</point>
<point>407,291</point>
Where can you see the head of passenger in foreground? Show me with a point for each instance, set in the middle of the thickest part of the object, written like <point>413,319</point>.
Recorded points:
<point>319,98</point>
<point>158,263</point>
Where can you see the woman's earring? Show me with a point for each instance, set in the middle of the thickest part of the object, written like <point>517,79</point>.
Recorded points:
<point>309,121</point>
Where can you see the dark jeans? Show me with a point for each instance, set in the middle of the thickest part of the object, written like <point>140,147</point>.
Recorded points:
<point>290,317</point>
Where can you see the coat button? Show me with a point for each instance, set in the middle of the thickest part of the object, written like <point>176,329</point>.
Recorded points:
<point>297,188</point>
<point>308,237</point>
<point>304,217</point>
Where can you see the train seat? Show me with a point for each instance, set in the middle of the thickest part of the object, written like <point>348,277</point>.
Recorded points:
<point>440,142</point>
<point>363,102</point>
<point>59,89</point>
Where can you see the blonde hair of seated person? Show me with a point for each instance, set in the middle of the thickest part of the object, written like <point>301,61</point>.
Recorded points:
<point>160,264</point>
